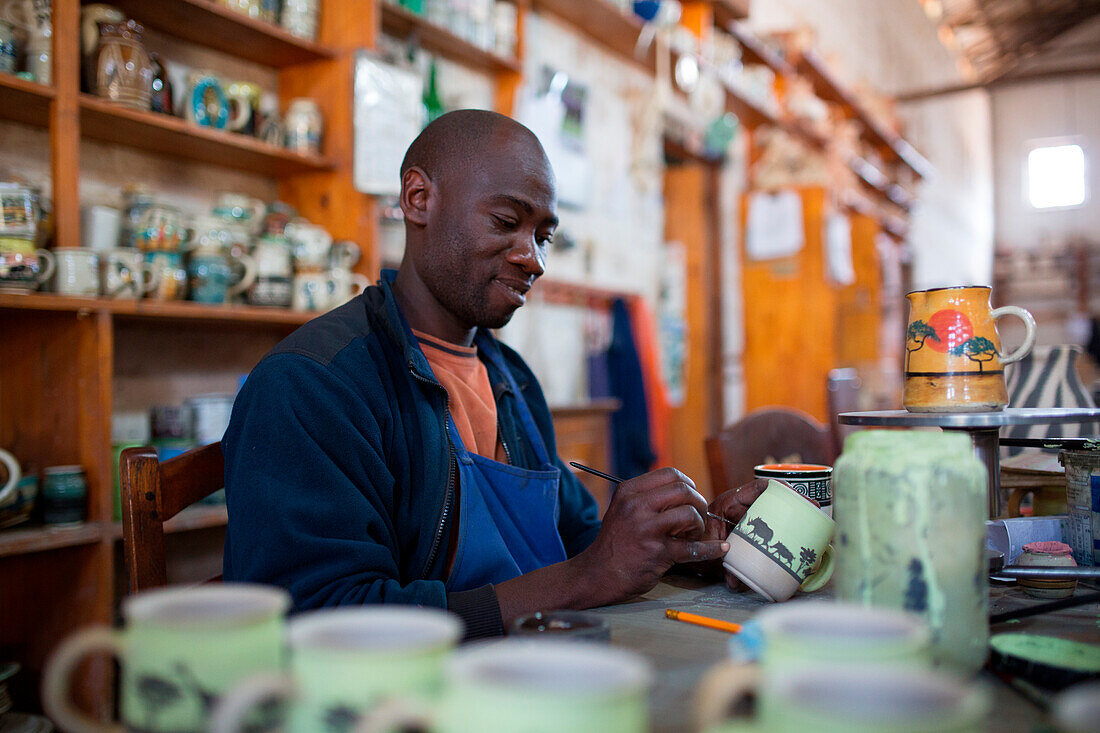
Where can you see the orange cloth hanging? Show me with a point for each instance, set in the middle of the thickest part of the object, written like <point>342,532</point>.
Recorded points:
<point>644,327</point>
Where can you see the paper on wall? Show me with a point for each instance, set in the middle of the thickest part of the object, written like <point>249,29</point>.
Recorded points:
<point>774,225</point>
<point>388,115</point>
<point>838,249</point>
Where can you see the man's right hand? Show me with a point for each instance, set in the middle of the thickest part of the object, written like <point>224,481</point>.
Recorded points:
<point>654,521</point>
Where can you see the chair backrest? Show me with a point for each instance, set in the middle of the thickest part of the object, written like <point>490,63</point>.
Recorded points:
<point>1047,377</point>
<point>770,434</point>
<point>154,492</point>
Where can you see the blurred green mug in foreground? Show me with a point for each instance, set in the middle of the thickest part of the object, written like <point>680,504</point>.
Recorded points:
<point>345,660</point>
<point>539,686</point>
<point>181,649</point>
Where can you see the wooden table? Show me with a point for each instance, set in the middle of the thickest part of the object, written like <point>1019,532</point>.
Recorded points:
<point>680,653</point>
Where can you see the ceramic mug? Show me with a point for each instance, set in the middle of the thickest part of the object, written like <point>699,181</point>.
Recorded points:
<point>160,228</point>
<point>100,227</point>
<point>77,272</point>
<point>241,209</point>
<point>809,479</point>
<point>244,103</point>
<point>781,544</point>
<point>864,699</point>
<point>206,103</point>
<point>537,686</point>
<point>22,267</point>
<point>64,497</point>
<point>182,649</point>
<point>169,274</point>
<point>19,210</point>
<point>7,47</point>
<point>953,360</point>
<point>123,274</point>
<point>212,279</point>
<point>343,661</point>
<point>311,291</point>
<point>312,245</point>
<point>14,474</point>
<point>345,285</point>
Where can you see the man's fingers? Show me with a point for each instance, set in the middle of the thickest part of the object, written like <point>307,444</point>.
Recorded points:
<point>731,504</point>
<point>677,493</point>
<point>696,550</point>
<point>733,582</point>
<point>681,521</point>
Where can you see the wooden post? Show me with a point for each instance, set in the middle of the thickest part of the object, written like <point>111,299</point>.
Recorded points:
<point>65,123</point>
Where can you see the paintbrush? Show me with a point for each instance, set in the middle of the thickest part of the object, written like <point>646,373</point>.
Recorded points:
<point>616,480</point>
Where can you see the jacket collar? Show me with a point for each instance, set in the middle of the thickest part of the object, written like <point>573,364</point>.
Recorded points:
<point>384,305</point>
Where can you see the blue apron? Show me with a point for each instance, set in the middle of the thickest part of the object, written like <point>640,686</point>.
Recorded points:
<point>508,516</point>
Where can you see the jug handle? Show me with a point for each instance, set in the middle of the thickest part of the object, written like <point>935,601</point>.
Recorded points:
<point>14,474</point>
<point>249,276</point>
<point>51,264</point>
<point>1029,336</point>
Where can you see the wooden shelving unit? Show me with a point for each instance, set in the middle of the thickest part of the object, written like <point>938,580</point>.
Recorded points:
<point>25,101</point>
<point>26,540</point>
<point>208,24</point>
<point>174,137</point>
<point>604,24</point>
<point>399,22</point>
<point>148,309</point>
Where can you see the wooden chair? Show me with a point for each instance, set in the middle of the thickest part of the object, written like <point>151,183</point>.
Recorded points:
<point>765,435</point>
<point>154,492</point>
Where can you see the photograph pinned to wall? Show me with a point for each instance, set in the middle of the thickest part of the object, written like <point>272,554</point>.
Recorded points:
<point>672,322</point>
<point>555,111</point>
<point>388,116</point>
<point>774,225</point>
<point>838,248</point>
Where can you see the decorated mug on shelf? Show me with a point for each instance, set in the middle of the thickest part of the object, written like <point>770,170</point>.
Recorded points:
<point>206,103</point>
<point>7,47</point>
<point>77,272</point>
<point>123,274</point>
<point>14,471</point>
<point>160,228</point>
<point>34,17</point>
<point>22,267</point>
<point>302,124</point>
<point>274,272</point>
<point>20,210</point>
<point>312,245</point>
<point>244,105</point>
<point>344,285</point>
<point>170,275</point>
<point>312,291</point>
<point>241,209</point>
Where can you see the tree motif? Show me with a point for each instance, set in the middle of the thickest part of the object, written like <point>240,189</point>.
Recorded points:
<point>156,694</point>
<point>917,333</point>
<point>916,592</point>
<point>807,557</point>
<point>976,348</point>
<point>340,719</point>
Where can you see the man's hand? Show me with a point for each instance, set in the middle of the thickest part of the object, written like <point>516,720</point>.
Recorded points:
<point>732,505</point>
<point>654,521</point>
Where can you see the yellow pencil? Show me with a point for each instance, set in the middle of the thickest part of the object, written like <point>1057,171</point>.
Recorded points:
<point>710,623</point>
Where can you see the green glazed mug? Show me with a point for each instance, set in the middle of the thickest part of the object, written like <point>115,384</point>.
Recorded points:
<point>343,661</point>
<point>530,686</point>
<point>182,649</point>
<point>868,699</point>
<point>781,544</point>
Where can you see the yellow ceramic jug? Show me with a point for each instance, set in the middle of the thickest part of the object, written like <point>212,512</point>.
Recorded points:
<point>953,360</point>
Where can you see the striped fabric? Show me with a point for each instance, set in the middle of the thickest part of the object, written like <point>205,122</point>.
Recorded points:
<point>1047,378</point>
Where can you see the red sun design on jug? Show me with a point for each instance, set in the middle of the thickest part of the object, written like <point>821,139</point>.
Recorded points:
<point>953,328</point>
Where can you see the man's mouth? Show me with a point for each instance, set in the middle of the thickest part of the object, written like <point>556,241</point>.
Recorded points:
<point>517,292</point>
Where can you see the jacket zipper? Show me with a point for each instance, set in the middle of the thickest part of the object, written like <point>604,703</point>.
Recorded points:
<point>446,511</point>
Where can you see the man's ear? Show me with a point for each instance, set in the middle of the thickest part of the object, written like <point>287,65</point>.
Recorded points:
<point>415,190</point>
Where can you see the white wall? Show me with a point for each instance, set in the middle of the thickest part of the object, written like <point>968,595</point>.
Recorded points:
<point>1066,109</point>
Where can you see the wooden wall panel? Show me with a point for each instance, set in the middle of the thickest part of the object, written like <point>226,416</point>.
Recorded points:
<point>859,311</point>
<point>790,320</point>
<point>688,220</point>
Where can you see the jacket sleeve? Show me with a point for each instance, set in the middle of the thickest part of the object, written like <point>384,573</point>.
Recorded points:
<point>311,499</point>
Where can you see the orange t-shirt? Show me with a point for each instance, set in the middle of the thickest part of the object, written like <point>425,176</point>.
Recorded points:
<point>464,377</point>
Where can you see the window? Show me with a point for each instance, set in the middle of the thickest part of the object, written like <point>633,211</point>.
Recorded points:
<point>1056,176</point>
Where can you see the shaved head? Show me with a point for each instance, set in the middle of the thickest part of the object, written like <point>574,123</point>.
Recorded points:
<point>457,140</point>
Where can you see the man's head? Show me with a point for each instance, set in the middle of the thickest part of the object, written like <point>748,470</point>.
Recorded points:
<point>480,206</point>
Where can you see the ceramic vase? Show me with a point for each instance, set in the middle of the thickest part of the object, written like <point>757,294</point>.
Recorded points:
<point>910,508</point>
<point>1047,555</point>
<point>124,72</point>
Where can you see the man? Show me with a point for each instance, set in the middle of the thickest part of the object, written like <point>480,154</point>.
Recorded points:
<point>392,451</point>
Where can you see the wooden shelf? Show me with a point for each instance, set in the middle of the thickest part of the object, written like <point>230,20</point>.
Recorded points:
<point>25,101</point>
<point>214,26</point>
<point>873,130</point>
<point>755,51</point>
<point>177,138</point>
<point>149,309</point>
<point>22,541</point>
<point>728,11</point>
<point>604,24</point>
<point>397,21</point>
<point>750,112</point>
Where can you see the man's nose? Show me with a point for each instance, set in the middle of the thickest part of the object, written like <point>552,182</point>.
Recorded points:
<point>530,256</point>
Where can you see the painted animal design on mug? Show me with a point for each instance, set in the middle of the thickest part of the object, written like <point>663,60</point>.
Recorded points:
<point>759,533</point>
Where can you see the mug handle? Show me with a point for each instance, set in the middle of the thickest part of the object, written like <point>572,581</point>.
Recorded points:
<point>240,111</point>
<point>248,278</point>
<point>57,678</point>
<point>51,264</point>
<point>14,474</point>
<point>360,283</point>
<point>821,576</point>
<point>230,713</point>
<point>724,684</point>
<point>395,714</point>
<point>1029,336</point>
<point>127,276</point>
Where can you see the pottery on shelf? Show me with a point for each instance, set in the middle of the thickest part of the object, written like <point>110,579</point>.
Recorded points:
<point>124,72</point>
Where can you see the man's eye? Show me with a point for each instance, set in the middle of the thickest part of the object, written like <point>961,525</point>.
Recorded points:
<point>505,222</point>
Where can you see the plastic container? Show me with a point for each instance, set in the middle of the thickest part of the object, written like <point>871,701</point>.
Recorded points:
<point>1083,500</point>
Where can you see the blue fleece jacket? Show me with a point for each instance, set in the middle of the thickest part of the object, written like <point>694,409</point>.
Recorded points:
<point>340,477</point>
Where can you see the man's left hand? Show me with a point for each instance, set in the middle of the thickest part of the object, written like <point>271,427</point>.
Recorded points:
<point>732,505</point>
